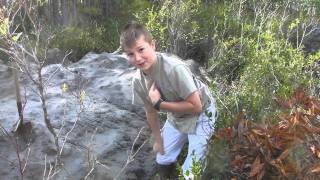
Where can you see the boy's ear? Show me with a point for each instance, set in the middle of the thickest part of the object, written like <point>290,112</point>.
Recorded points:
<point>153,44</point>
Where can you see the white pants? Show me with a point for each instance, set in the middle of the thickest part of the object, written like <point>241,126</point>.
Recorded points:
<point>173,141</point>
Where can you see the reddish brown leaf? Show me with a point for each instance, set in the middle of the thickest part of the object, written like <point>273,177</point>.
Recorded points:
<point>261,174</point>
<point>282,103</point>
<point>256,170</point>
<point>284,154</point>
<point>255,145</point>
<point>299,95</point>
<point>238,160</point>
<point>255,167</point>
<point>315,169</point>
<point>236,147</point>
<point>258,132</point>
<point>318,153</point>
<point>225,134</point>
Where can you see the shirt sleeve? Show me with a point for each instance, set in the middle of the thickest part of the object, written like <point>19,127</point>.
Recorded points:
<point>139,97</point>
<point>182,81</point>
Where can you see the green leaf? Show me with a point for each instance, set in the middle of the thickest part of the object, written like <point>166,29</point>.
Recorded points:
<point>64,87</point>
<point>208,114</point>
<point>187,173</point>
<point>16,37</point>
<point>4,26</point>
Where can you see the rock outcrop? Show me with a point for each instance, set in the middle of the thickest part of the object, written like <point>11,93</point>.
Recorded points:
<point>94,119</point>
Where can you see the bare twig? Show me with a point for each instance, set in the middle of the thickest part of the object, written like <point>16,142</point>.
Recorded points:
<point>26,162</point>
<point>132,154</point>
<point>14,142</point>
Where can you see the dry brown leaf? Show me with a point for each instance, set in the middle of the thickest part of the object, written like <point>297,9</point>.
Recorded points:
<point>261,174</point>
<point>298,94</point>
<point>315,169</point>
<point>258,132</point>
<point>318,153</point>
<point>238,161</point>
<point>284,154</point>
<point>282,103</point>
<point>225,133</point>
<point>295,118</point>
<point>259,143</point>
<point>236,147</point>
<point>256,170</point>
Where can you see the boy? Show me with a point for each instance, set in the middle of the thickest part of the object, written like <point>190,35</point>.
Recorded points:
<point>163,82</point>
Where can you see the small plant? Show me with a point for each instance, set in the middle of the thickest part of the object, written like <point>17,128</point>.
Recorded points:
<point>196,170</point>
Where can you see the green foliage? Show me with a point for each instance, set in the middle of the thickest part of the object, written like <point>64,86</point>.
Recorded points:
<point>172,22</point>
<point>154,21</point>
<point>217,161</point>
<point>256,61</point>
<point>4,27</point>
<point>92,11</point>
<point>102,34</point>
<point>84,40</point>
<point>129,7</point>
<point>42,2</point>
<point>196,169</point>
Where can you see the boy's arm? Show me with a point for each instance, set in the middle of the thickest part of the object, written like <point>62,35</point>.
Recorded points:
<point>192,104</point>
<point>153,121</point>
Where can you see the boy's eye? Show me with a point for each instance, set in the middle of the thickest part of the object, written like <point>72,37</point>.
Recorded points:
<point>129,54</point>
<point>141,49</point>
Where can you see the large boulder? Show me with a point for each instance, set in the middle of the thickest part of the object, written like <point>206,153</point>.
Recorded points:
<point>94,119</point>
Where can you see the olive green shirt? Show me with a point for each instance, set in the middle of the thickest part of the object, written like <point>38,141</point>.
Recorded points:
<point>175,82</point>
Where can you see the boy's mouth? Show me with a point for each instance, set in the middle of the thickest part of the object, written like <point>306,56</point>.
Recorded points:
<point>141,64</point>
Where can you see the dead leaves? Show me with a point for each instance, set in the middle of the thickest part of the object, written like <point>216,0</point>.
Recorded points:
<point>315,169</point>
<point>257,169</point>
<point>257,148</point>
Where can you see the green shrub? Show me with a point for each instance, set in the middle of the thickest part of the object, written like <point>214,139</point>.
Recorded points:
<point>255,59</point>
<point>83,40</point>
<point>174,25</point>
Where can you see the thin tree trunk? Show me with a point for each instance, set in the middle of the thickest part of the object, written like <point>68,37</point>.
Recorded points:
<point>43,104</point>
<point>3,3</point>
<point>74,12</point>
<point>45,113</point>
<point>64,11</point>
<point>18,98</point>
<point>55,13</point>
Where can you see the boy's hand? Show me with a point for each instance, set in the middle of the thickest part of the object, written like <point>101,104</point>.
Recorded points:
<point>158,147</point>
<point>154,94</point>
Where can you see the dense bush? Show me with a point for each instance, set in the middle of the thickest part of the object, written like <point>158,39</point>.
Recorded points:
<point>98,33</point>
<point>83,40</point>
<point>175,25</point>
<point>258,55</point>
<point>258,59</point>
<point>264,70</point>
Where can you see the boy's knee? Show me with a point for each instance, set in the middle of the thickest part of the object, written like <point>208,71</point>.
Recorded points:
<point>165,159</point>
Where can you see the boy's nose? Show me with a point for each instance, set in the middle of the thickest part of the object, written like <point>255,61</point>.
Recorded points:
<point>137,57</point>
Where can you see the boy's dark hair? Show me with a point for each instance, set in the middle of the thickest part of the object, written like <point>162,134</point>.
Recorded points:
<point>131,32</point>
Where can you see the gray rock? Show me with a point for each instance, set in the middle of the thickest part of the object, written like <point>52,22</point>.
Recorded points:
<point>96,132</point>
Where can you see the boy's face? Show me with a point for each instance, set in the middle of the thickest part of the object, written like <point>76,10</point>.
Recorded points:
<point>142,54</point>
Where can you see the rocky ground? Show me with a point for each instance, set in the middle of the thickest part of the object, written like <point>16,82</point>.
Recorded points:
<point>96,139</point>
